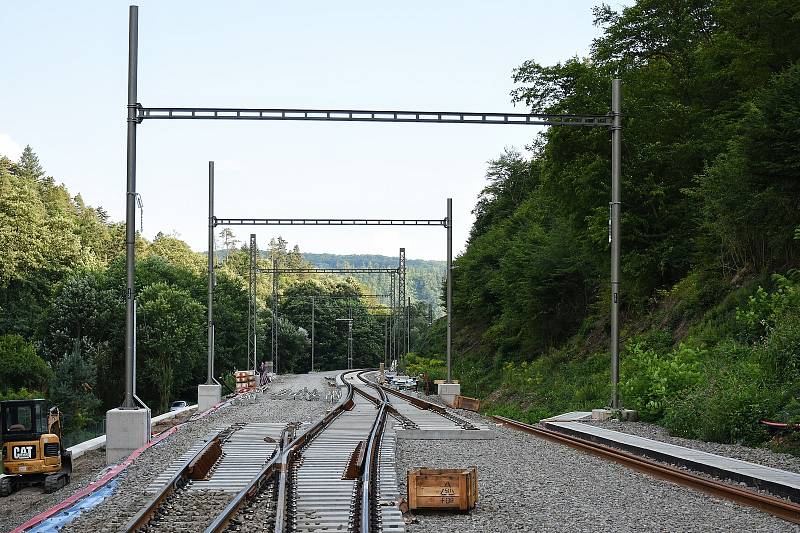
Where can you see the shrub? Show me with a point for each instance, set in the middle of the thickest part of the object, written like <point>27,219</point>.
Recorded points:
<point>779,353</point>
<point>763,310</point>
<point>726,409</point>
<point>21,394</point>
<point>652,380</point>
<point>417,365</point>
<point>71,389</point>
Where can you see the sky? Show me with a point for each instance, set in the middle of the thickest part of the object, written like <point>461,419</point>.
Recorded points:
<point>64,92</point>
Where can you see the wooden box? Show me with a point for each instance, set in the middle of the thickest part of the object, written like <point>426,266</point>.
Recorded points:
<point>445,488</point>
<point>465,402</point>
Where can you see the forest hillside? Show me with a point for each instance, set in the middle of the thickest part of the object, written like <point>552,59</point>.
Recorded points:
<point>710,226</point>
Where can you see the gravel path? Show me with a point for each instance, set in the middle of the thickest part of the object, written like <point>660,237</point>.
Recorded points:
<point>129,495</point>
<point>528,484</point>
<point>30,501</point>
<point>761,456</point>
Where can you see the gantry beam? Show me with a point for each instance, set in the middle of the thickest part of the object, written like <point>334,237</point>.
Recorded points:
<point>327,222</point>
<point>328,270</point>
<point>337,296</point>
<point>356,115</point>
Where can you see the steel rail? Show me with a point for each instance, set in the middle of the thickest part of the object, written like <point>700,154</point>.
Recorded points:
<point>181,477</point>
<point>438,409</point>
<point>294,447</point>
<point>277,465</point>
<point>781,508</point>
<point>368,486</point>
<point>417,402</point>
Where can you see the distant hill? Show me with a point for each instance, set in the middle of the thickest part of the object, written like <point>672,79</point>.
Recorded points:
<point>423,278</point>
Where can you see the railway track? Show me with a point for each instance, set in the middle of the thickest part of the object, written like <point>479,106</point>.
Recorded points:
<point>337,475</point>
<point>781,508</point>
<point>200,483</point>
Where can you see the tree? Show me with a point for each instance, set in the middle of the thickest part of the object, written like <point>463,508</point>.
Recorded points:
<point>71,389</point>
<point>29,166</point>
<point>176,252</point>
<point>171,340</point>
<point>22,228</point>
<point>228,239</point>
<point>85,311</point>
<point>20,365</point>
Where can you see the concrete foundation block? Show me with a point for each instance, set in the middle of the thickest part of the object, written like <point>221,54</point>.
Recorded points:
<point>629,415</point>
<point>208,396</point>
<point>448,392</point>
<point>601,414</point>
<point>127,430</point>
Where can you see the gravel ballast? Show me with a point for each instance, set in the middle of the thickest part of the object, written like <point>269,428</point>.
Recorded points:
<point>529,484</point>
<point>129,496</point>
<point>525,483</point>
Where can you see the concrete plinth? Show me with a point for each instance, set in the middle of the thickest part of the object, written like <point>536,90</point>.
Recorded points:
<point>448,392</point>
<point>602,414</point>
<point>127,430</point>
<point>208,396</point>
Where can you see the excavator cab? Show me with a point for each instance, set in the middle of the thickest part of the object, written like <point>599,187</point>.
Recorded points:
<point>33,451</point>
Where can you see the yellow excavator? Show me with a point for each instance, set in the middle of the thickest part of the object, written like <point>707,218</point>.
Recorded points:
<point>33,450</point>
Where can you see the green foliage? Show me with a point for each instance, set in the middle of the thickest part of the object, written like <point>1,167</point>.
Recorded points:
<point>763,309</point>
<point>423,278</point>
<point>71,389</point>
<point>20,365</point>
<point>727,408</point>
<point>711,125</point>
<point>21,394</point>
<point>333,299</point>
<point>552,384</point>
<point>653,380</point>
<point>434,367</point>
<point>171,340</point>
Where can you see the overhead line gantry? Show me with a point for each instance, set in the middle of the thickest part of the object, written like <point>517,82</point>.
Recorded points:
<point>137,114</point>
<point>275,271</point>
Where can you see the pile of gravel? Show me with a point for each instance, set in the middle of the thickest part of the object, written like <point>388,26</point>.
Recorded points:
<point>129,496</point>
<point>528,484</point>
<point>760,456</point>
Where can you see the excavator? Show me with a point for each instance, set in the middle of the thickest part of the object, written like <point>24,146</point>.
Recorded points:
<point>33,450</point>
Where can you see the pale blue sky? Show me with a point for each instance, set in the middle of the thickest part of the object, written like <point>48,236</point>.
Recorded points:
<point>64,89</point>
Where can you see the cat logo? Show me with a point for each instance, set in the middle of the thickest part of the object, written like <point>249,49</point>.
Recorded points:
<point>22,452</point>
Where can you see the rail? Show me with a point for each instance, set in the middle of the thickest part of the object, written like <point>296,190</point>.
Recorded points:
<point>277,469</point>
<point>368,485</point>
<point>192,467</point>
<point>278,464</point>
<point>438,409</point>
<point>784,509</point>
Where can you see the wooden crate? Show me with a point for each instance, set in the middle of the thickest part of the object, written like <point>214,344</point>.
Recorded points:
<point>442,488</point>
<point>465,402</point>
